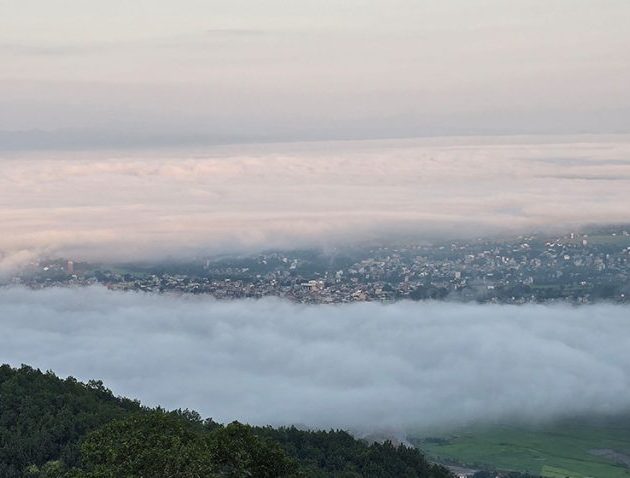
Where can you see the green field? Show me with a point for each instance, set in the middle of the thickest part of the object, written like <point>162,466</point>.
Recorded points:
<point>564,449</point>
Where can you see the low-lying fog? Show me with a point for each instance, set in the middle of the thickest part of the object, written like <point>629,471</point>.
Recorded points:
<point>130,206</point>
<point>360,366</point>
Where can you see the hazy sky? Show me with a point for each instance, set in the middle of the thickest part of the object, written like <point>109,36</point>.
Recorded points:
<point>92,73</point>
<point>361,366</point>
<point>86,75</point>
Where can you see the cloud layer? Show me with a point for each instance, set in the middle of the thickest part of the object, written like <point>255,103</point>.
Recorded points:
<point>362,366</point>
<point>148,206</point>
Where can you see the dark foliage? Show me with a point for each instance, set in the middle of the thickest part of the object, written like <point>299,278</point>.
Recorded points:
<point>496,474</point>
<point>43,418</point>
<point>54,428</point>
<point>338,454</point>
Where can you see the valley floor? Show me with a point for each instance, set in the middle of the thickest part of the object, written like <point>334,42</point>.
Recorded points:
<point>578,448</point>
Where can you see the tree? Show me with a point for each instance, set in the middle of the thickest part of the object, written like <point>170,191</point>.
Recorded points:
<point>240,453</point>
<point>155,444</point>
<point>161,444</point>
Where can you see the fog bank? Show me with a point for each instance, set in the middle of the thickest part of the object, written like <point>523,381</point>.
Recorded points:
<point>360,366</point>
<point>130,206</point>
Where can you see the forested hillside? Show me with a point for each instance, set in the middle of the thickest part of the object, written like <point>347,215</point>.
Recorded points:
<point>61,428</point>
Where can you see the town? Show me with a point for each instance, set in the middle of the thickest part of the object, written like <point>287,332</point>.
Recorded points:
<point>578,267</point>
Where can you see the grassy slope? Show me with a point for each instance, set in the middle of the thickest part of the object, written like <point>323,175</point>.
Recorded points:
<point>559,450</point>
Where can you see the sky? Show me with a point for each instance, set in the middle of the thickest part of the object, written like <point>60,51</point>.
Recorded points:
<point>363,367</point>
<point>149,129</point>
<point>90,74</point>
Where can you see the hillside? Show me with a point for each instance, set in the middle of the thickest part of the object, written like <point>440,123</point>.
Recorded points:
<point>62,428</point>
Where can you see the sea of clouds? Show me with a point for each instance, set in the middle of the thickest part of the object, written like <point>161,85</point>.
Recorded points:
<point>179,204</point>
<point>363,366</point>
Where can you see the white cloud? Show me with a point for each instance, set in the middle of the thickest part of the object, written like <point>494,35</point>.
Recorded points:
<point>147,206</point>
<point>362,366</point>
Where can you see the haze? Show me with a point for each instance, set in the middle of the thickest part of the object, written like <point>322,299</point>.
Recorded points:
<point>152,73</point>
